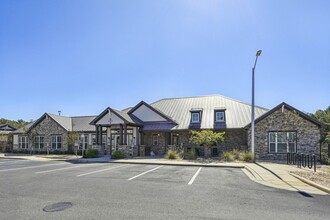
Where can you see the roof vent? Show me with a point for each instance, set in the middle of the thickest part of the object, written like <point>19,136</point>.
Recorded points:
<point>59,112</point>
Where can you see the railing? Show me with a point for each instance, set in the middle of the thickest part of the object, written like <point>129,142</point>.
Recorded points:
<point>302,160</point>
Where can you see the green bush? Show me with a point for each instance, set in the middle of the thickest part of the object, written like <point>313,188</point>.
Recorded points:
<point>171,154</point>
<point>246,156</point>
<point>117,155</point>
<point>228,156</point>
<point>236,154</point>
<point>191,155</point>
<point>91,153</point>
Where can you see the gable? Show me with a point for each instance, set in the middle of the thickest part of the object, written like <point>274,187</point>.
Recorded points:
<point>109,119</point>
<point>282,107</point>
<point>146,114</point>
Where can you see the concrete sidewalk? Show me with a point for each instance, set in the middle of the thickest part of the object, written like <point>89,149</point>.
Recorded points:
<point>278,176</point>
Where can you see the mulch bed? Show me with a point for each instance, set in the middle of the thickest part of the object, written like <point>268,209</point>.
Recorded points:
<point>321,176</point>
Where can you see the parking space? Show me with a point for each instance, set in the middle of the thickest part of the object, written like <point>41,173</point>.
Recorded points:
<point>147,173</point>
<point>136,191</point>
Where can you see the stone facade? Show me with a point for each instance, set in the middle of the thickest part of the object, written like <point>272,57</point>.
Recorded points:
<point>46,128</point>
<point>285,120</point>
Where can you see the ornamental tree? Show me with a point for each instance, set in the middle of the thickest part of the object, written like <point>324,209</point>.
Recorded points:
<point>206,138</point>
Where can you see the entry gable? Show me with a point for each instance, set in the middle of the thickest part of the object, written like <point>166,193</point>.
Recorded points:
<point>147,113</point>
<point>108,117</point>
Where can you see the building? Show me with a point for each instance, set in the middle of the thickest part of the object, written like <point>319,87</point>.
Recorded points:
<point>166,124</point>
<point>55,133</point>
<point>5,137</point>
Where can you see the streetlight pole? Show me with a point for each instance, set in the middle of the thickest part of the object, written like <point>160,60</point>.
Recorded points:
<point>252,110</point>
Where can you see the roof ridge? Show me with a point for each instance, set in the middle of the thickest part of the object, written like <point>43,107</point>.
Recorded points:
<point>209,96</point>
<point>51,114</point>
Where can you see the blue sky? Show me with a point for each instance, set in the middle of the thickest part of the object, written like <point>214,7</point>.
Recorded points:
<point>80,56</point>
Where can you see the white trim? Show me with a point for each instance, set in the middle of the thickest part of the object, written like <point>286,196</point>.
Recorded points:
<point>223,116</point>
<point>192,117</point>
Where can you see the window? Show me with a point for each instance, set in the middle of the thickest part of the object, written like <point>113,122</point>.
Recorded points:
<point>22,142</point>
<point>38,142</point>
<point>56,142</point>
<point>195,117</point>
<point>282,142</point>
<point>104,139</point>
<point>83,142</point>
<point>219,116</point>
<point>155,139</point>
<point>93,139</point>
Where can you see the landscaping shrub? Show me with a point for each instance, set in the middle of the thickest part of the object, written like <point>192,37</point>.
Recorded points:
<point>91,153</point>
<point>171,154</point>
<point>236,154</point>
<point>191,155</point>
<point>246,156</point>
<point>228,156</point>
<point>117,155</point>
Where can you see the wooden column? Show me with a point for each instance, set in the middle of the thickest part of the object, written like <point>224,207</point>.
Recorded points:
<point>125,134</point>
<point>97,134</point>
<point>121,134</point>
<point>100,133</point>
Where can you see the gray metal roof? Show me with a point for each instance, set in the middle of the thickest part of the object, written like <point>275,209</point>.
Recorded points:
<point>64,121</point>
<point>81,123</point>
<point>23,129</point>
<point>158,126</point>
<point>238,114</point>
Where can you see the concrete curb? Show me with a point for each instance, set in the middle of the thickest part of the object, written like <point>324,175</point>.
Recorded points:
<point>180,164</point>
<point>311,183</point>
<point>250,171</point>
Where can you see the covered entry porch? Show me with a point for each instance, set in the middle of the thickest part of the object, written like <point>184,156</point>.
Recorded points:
<point>116,130</point>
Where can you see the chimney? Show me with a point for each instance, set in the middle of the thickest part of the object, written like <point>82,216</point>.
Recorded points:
<point>59,112</point>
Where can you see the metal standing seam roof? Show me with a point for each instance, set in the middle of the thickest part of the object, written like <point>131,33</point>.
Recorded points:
<point>237,113</point>
<point>81,123</point>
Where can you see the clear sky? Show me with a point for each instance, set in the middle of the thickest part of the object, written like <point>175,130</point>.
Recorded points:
<point>81,56</point>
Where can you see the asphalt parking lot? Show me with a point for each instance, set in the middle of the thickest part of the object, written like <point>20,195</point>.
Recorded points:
<point>133,191</point>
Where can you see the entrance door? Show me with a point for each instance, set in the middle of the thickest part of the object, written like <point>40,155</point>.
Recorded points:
<point>115,141</point>
<point>147,151</point>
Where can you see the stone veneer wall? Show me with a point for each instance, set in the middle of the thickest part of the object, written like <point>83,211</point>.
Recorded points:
<point>308,134</point>
<point>48,127</point>
<point>159,149</point>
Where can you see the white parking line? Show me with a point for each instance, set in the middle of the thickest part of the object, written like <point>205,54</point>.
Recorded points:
<point>23,168</point>
<point>66,168</point>
<point>98,171</point>
<point>194,177</point>
<point>141,174</point>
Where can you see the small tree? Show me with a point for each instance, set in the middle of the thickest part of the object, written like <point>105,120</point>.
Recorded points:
<point>31,134</point>
<point>73,137</point>
<point>206,138</point>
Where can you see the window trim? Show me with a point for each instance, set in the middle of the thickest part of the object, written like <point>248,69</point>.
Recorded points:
<point>38,143</point>
<point>20,142</point>
<point>215,116</point>
<point>157,140</point>
<point>56,142</point>
<point>276,142</point>
<point>199,117</point>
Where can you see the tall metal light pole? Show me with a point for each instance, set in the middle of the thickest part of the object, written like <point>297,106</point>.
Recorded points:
<point>252,110</point>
